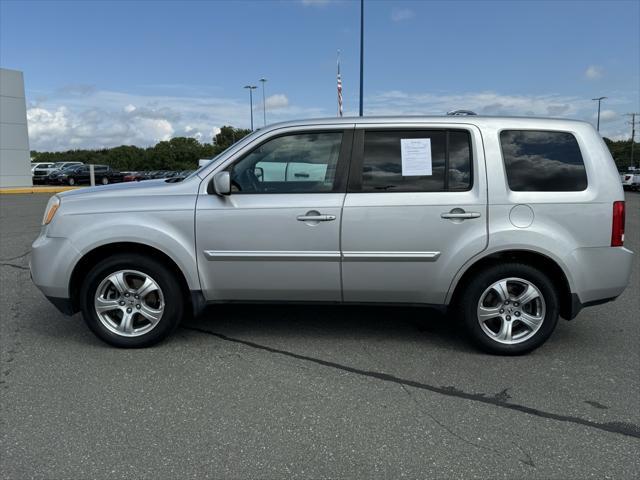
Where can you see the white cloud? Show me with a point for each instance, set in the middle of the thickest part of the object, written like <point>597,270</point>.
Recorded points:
<point>47,125</point>
<point>593,72</point>
<point>153,129</point>
<point>277,101</point>
<point>605,116</point>
<point>106,119</point>
<point>401,14</point>
<point>396,102</point>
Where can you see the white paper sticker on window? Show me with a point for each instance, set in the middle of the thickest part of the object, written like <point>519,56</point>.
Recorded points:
<point>416,156</point>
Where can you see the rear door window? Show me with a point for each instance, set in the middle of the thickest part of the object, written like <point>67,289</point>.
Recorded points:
<point>542,161</point>
<point>383,169</point>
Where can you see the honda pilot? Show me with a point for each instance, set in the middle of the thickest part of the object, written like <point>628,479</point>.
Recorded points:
<point>506,223</point>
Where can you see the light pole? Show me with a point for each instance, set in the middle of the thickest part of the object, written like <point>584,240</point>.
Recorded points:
<point>251,89</point>
<point>599,99</point>
<point>361,54</point>
<point>264,103</point>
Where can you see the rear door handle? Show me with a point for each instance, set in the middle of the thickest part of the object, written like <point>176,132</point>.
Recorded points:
<point>460,215</point>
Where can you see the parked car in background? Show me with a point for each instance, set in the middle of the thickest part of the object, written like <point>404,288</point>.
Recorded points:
<point>631,179</point>
<point>80,175</point>
<point>159,174</point>
<point>490,218</point>
<point>52,178</point>
<point>41,174</point>
<point>179,176</point>
<point>41,165</point>
<point>133,176</point>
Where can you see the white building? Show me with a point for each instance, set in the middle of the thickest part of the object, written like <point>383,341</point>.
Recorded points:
<point>15,166</point>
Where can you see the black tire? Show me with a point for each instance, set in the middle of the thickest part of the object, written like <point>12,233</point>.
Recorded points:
<point>71,181</point>
<point>105,181</point>
<point>468,303</point>
<point>164,277</point>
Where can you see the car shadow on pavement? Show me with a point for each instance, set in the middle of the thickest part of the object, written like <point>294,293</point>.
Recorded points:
<point>373,323</point>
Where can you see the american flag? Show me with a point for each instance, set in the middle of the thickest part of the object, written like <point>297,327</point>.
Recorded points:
<point>339,88</point>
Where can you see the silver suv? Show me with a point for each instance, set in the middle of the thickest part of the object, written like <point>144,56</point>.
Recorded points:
<point>508,223</point>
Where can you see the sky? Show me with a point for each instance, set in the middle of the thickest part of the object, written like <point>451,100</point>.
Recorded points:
<point>106,73</point>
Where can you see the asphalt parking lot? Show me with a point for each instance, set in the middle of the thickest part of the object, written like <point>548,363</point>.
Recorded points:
<point>310,392</point>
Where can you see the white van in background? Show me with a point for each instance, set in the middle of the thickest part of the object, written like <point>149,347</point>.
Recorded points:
<point>631,179</point>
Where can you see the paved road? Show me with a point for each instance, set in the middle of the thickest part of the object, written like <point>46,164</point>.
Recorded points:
<point>309,392</point>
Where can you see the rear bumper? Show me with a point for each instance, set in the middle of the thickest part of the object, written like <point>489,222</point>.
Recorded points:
<point>599,274</point>
<point>577,305</point>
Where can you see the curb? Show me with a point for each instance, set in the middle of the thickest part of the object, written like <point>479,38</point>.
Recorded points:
<point>22,190</point>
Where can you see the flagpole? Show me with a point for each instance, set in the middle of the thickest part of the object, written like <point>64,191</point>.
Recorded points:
<point>361,54</point>
<point>339,81</point>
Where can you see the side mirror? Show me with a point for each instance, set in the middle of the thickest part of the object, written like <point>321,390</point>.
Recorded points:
<point>222,183</point>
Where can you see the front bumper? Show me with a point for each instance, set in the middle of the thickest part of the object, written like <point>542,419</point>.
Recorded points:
<point>64,305</point>
<point>51,265</point>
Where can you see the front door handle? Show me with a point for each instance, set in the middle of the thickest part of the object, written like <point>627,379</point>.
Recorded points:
<point>315,218</point>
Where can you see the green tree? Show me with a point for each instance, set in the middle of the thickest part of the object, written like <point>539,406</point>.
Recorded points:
<point>180,153</point>
<point>228,136</point>
<point>621,153</point>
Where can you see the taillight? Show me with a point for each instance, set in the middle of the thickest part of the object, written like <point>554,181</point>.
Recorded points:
<point>617,228</point>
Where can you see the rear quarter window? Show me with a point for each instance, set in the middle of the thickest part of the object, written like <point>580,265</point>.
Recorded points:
<point>542,161</point>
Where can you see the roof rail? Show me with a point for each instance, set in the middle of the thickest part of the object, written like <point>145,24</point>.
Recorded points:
<point>461,112</point>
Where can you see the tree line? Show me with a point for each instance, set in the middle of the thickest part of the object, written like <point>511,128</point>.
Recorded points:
<point>179,153</point>
<point>183,153</point>
<point>621,153</point>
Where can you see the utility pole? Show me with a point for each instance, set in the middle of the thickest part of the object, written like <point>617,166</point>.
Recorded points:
<point>251,89</point>
<point>361,55</point>
<point>599,99</point>
<point>264,103</point>
<point>633,133</point>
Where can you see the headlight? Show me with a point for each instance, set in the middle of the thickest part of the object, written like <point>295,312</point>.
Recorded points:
<point>50,211</point>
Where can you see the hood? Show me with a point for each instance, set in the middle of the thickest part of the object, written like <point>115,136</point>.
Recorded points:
<point>147,187</point>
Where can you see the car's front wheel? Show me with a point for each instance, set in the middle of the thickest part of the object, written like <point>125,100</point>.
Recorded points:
<point>71,181</point>
<point>105,181</point>
<point>131,301</point>
<point>510,309</point>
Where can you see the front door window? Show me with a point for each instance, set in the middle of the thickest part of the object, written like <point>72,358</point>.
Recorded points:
<point>298,163</point>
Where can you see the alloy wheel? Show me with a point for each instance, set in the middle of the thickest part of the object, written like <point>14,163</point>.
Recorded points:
<point>511,310</point>
<point>129,303</point>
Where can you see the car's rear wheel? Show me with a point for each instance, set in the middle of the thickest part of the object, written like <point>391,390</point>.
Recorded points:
<point>510,309</point>
<point>71,181</point>
<point>105,181</point>
<point>131,301</point>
